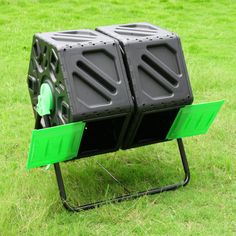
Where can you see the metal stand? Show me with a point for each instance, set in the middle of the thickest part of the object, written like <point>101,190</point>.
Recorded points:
<point>72,208</point>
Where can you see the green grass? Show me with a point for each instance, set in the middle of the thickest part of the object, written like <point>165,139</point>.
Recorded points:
<point>29,202</point>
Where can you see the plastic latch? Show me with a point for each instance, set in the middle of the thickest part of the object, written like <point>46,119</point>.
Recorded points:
<point>45,100</point>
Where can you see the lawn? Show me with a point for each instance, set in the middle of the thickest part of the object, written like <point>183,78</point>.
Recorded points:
<point>29,201</point>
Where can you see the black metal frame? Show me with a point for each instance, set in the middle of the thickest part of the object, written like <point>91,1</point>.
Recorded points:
<point>72,208</point>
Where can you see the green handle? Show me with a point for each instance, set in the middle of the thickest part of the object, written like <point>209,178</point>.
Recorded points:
<point>45,100</point>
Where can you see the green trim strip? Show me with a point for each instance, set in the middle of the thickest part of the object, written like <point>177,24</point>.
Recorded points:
<point>194,119</point>
<point>55,144</point>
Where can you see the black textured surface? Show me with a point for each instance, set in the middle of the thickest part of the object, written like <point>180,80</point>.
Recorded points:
<point>157,73</point>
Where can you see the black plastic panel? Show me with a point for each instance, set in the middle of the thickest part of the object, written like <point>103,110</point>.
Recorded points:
<point>156,69</point>
<point>97,81</point>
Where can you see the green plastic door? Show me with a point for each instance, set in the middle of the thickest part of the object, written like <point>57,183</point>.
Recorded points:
<point>55,144</point>
<point>194,119</point>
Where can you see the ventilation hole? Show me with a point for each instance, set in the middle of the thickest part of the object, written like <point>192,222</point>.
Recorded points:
<point>37,52</point>
<point>54,62</point>
<point>46,63</point>
<point>70,32</point>
<point>33,64</point>
<point>53,77</point>
<point>32,84</point>
<point>45,50</point>
<point>61,85</point>
<point>64,110</point>
<point>36,49</point>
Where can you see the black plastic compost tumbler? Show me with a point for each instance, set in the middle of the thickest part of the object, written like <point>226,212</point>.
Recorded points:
<point>126,83</point>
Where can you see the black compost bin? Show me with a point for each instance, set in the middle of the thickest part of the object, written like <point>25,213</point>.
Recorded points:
<point>157,76</point>
<point>85,71</point>
<point>119,86</point>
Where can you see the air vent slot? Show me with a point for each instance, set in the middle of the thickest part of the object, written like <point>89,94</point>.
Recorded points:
<point>96,76</point>
<point>160,70</point>
<point>54,62</point>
